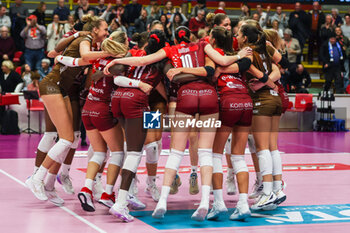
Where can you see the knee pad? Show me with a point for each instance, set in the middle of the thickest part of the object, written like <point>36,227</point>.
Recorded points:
<point>276,162</point>
<point>238,164</point>
<point>117,158</point>
<point>265,162</point>
<point>228,145</point>
<point>132,161</point>
<point>160,147</point>
<point>90,152</point>
<point>98,158</point>
<point>151,153</point>
<point>174,159</point>
<point>217,163</point>
<point>251,144</point>
<point>75,143</point>
<point>47,141</point>
<point>59,151</point>
<point>205,157</point>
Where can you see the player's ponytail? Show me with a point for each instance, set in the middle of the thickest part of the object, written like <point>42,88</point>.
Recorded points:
<point>183,34</point>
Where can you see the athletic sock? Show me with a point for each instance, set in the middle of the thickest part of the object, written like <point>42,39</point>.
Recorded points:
<point>109,189</point>
<point>243,197</point>
<point>50,181</point>
<point>205,196</point>
<point>267,189</point>
<point>259,176</point>
<point>229,172</point>
<point>121,200</point>
<point>40,173</point>
<point>218,195</point>
<point>151,179</point>
<point>89,183</point>
<point>165,192</point>
<point>277,186</point>
<point>35,169</point>
<point>65,169</point>
<point>98,176</point>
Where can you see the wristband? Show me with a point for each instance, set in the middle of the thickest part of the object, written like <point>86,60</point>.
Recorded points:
<point>264,78</point>
<point>238,57</point>
<point>76,35</point>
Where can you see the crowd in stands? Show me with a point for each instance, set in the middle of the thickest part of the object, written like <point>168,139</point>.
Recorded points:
<point>327,36</point>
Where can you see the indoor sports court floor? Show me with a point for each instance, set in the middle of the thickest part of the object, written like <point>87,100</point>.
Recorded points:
<point>316,170</point>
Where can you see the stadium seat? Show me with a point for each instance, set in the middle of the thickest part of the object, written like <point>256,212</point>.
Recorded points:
<point>303,102</point>
<point>18,70</point>
<point>34,105</point>
<point>17,56</point>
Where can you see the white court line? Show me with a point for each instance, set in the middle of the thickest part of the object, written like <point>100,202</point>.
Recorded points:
<point>62,207</point>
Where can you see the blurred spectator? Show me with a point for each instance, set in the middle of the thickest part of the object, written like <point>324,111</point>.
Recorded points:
<point>83,8</point>
<point>245,11</point>
<point>40,13</point>
<point>45,68</point>
<point>35,36</point>
<point>9,79</point>
<point>100,8</point>
<point>332,58</point>
<point>281,18</point>
<point>275,26</point>
<point>166,25</point>
<point>292,46</point>
<point>153,10</point>
<point>141,23</point>
<point>345,44</point>
<point>336,19</point>
<point>131,13</point>
<point>221,8</point>
<point>201,5</point>
<point>346,27</point>
<point>255,17</point>
<point>118,15</point>
<point>4,19</point>
<point>299,23</point>
<point>327,29</point>
<point>116,26</point>
<point>263,16</point>
<point>54,33</point>
<point>168,9</point>
<point>7,48</point>
<point>299,79</point>
<point>317,20</point>
<point>30,78</point>
<point>18,15</point>
<point>197,22</point>
<point>177,20</point>
<point>62,11</point>
<point>69,25</point>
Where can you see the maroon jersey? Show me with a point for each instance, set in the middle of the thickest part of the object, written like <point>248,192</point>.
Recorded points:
<point>232,83</point>
<point>188,55</point>
<point>147,74</point>
<point>101,90</point>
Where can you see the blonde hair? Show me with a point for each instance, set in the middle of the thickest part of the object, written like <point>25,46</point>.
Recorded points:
<point>8,64</point>
<point>118,36</point>
<point>273,37</point>
<point>113,47</point>
<point>91,22</point>
<point>202,33</point>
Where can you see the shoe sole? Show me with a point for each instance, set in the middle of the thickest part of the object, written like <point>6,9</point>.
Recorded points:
<point>159,213</point>
<point>231,193</point>
<point>119,216</point>
<point>194,192</point>
<point>218,216</point>
<point>105,203</point>
<point>30,185</point>
<point>84,205</point>
<point>241,217</point>
<point>202,213</point>
<point>270,207</point>
<point>281,200</point>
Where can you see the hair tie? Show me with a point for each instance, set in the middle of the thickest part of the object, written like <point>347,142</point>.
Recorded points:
<point>154,36</point>
<point>181,33</point>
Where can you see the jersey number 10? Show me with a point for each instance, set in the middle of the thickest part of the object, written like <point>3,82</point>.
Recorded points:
<point>186,61</point>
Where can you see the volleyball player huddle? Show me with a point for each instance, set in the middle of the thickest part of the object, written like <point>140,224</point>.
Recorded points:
<point>231,79</point>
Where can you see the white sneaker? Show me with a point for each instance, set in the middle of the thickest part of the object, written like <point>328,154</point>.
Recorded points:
<point>37,188</point>
<point>135,203</point>
<point>218,210</point>
<point>121,213</point>
<point>231,188</point>
<point>241,212</point>
<point>85,198</point>
<point>200,214</point>
<point>160,209</point>
<point>97,189</point>
<point>133,190</point>
<point>281,197</point>
<point>152,190</point>
<point>265,202</point>
<point>66,183</point>
<point>257,189</point>
<point>54,198</point>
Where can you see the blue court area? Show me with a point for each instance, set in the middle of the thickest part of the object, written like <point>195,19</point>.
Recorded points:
<point>286,215</point>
